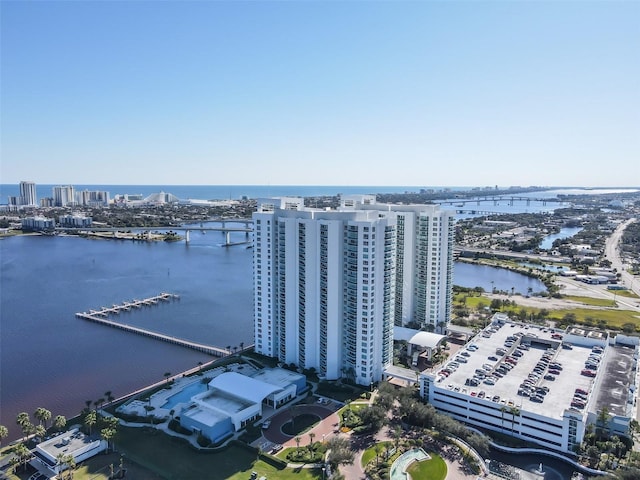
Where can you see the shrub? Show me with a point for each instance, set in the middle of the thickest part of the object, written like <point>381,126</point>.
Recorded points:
<point>176,427</point>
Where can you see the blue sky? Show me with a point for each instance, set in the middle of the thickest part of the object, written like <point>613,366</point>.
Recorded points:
<point>321,93</point>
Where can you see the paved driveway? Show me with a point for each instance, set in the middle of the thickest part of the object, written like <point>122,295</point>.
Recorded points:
<point>329,423</point>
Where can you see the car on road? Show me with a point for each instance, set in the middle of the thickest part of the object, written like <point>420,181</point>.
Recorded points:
<point>266,424</point>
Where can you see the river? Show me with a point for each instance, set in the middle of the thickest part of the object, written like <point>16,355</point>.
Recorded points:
<point>472,275</point>
<point>50,358</point>
<point>565,232</point>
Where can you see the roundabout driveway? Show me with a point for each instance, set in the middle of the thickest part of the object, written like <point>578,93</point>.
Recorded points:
<point>328,425</point>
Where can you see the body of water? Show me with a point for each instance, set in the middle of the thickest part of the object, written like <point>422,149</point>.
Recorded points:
<point>185,394</point>
<point>224,192</point>
<point>49,358</point>
<point>566,232</point>
<point>471,275</point>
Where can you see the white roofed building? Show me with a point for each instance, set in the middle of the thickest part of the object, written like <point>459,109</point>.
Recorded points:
<point>73,442</point>
<point>233,400</point>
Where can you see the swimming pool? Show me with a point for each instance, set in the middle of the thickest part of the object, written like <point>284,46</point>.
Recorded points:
<point>402,462</point>
<point>185,394</point>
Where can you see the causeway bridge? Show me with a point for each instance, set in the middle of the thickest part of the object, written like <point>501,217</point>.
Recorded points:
<point>495,199</point>
<point>100,316</point>
<point>186,229</point>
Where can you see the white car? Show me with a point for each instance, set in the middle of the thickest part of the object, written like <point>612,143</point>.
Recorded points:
<point>266,424</point>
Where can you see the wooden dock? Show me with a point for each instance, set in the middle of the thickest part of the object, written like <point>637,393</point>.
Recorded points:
<point>100,316</point>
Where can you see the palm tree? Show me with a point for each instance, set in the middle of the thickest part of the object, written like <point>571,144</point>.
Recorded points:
<point>59,422</point>
<point>378,450</point>
<point>397,434</point>
<point>148,409</point>
<point>311,437</point>
<point>503,409</point>
<point>24,422</point>
<point>514,411</point>
<point>22,453</point>
<point>71,463</point>
<point>88,404</point>
<point>297,439</point>
<point>228,349</point>
<point>166,376</point>
<point>22,419</point>
<point>4,432</point>
<point>108,396</point>
<point>40,431</point>
<point>602,420</point>
<point>90,420</point>
<point>107,434</point>
<point>241,346</point>
<point>43,415</point>
<point>112,422</point>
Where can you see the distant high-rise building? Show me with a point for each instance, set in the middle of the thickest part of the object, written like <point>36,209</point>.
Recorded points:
<point>329,285</point>
<point>28,195</point>
<point>64,196</point>
<point>95,198</point>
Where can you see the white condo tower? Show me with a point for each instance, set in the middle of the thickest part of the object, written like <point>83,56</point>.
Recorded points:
<point>329,285</point>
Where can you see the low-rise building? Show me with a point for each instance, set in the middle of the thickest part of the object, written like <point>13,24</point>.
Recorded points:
<point>233,400</point>
<point>74,221</point>
<point>38,224</point>
<point>72,443</point>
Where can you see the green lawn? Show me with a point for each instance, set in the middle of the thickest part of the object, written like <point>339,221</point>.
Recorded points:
<point>301,423</point>
<point>432,469</point>
<point>598,302</point>
<point>624,293</point>
<point>171,459</point>
<point>370,453</point>
<point>614,318</point>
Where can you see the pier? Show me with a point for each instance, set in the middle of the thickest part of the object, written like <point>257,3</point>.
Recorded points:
<point>100,316</point>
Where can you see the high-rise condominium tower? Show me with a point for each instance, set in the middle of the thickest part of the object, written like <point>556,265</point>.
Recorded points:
<point>329,285</point>
<point>64,196</point>
<point>28,194</point>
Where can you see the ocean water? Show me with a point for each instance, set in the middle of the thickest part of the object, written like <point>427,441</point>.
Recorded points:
<point>222,192</point>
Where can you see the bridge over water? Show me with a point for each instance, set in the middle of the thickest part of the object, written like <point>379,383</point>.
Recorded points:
<point>187,229</point>
<point>495,199</point>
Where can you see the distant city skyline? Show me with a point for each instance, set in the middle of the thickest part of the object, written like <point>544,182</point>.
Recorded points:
<point>320,93</point>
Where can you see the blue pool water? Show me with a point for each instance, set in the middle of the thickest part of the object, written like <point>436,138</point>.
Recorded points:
<point>185,394</point>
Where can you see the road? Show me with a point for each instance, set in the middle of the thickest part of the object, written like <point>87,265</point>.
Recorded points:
<point>612,253</point>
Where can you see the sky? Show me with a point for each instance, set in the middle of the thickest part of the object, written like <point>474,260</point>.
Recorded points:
<point>438,93</point>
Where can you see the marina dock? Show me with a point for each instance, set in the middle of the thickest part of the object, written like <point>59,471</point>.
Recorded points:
<point>100,316</point>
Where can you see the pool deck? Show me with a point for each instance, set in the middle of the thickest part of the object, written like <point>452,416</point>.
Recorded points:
<point>160,398</point>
